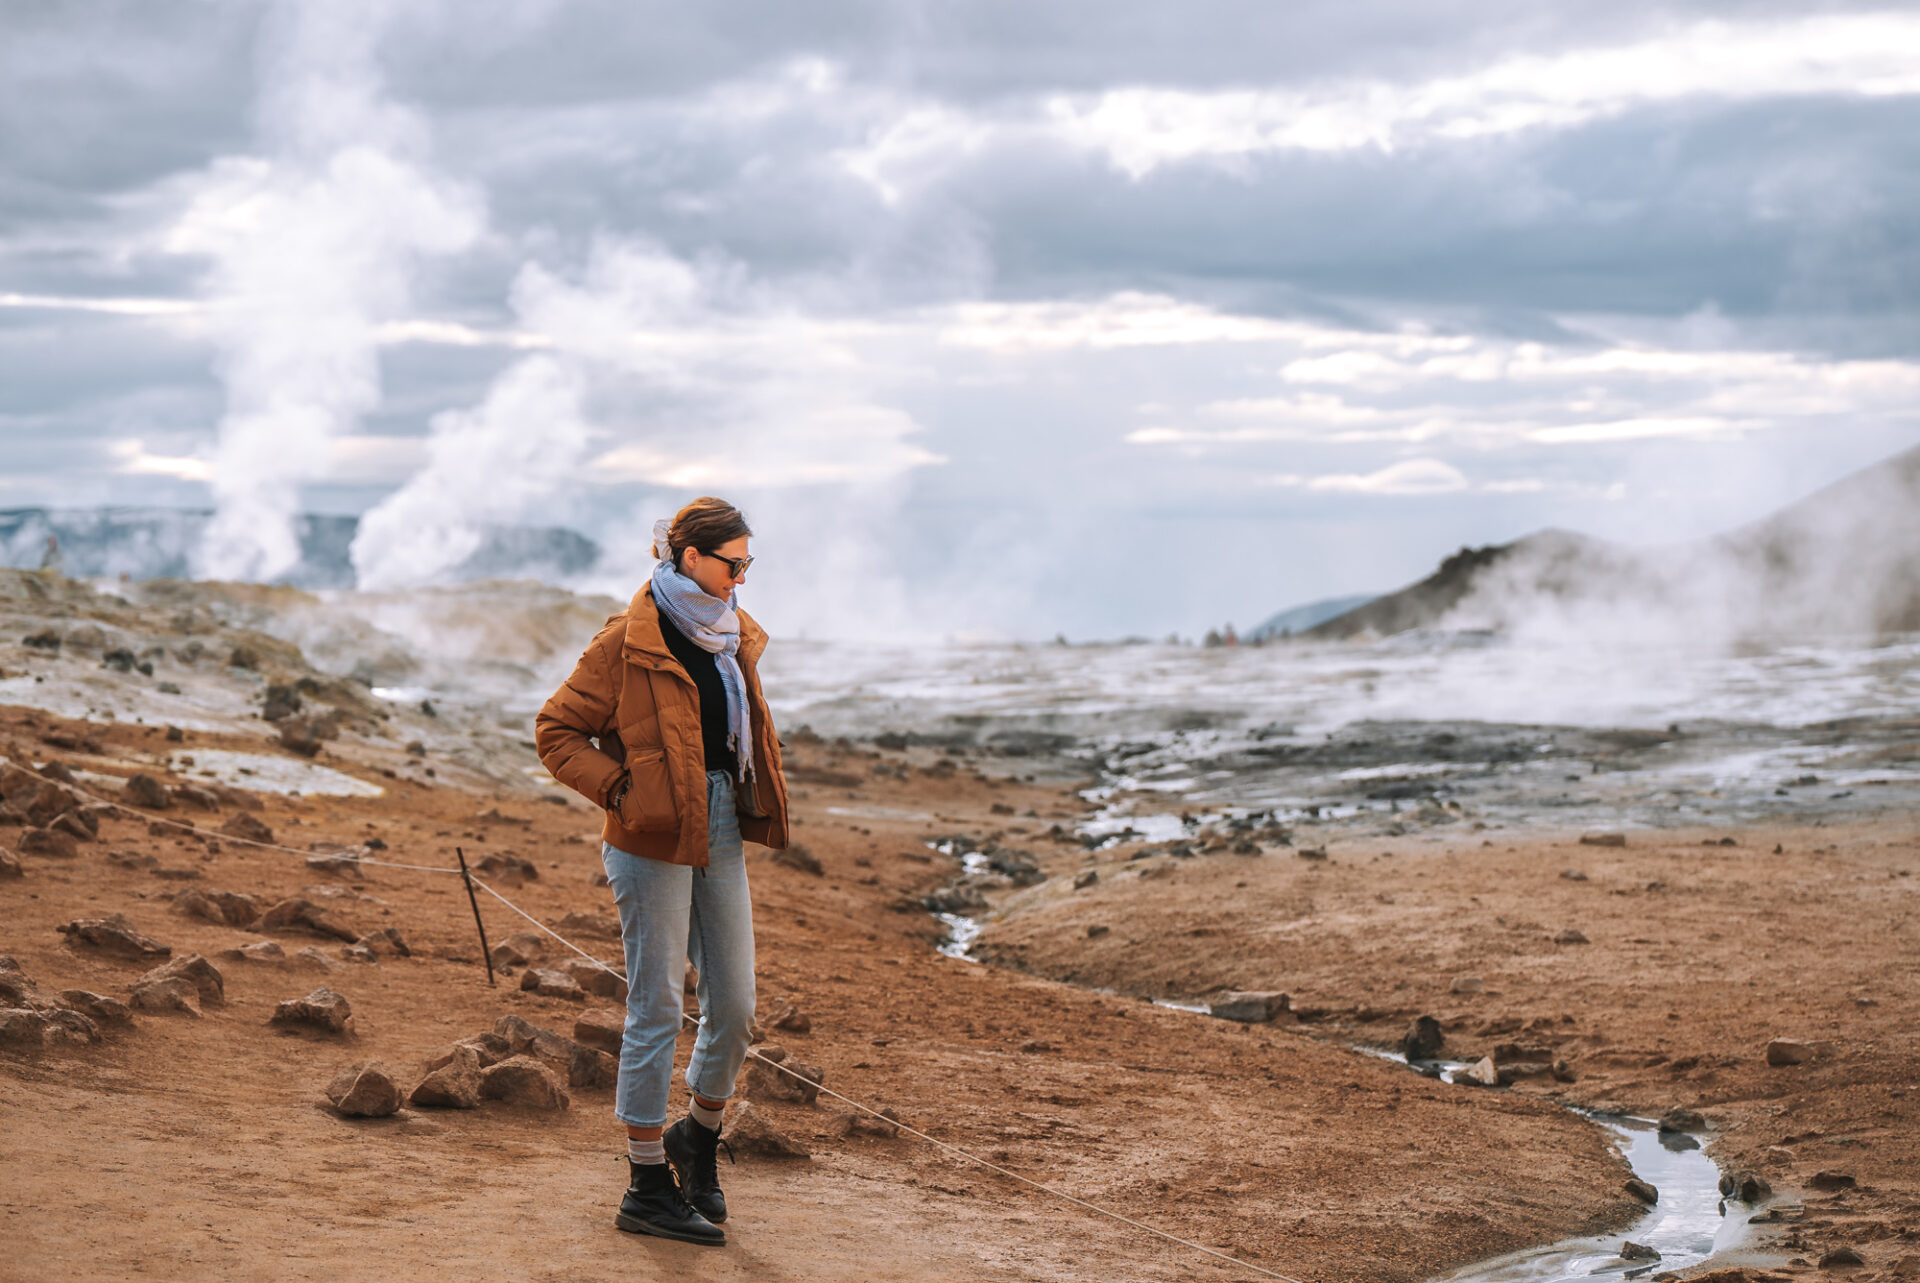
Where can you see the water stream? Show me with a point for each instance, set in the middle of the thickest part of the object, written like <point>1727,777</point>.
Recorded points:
<point>1689,1225</point>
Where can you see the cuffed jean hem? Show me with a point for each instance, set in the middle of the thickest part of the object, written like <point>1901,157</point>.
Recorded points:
<point>670,915</point>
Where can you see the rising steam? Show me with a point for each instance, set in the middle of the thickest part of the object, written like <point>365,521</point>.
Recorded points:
<point>312,246</point>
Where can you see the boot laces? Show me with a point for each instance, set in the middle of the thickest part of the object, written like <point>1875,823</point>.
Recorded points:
<point>706,1158</point>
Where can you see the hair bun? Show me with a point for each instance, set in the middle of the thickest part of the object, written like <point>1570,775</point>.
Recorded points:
<point>663,540</point>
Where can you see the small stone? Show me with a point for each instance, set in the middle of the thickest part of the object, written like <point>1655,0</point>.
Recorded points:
<point>22,1027</point>
<point>792,1082</point>
<point>601,925</point>
<point>1250,1008</point>
<point>1833,1180</point>
<point>602,1029</point>
<point>98,1006</point>
<point>1841,1258</point>
<point>1631,1251</point>
<point>70,824</point>
<point>196,972</point>
<point>505,864</point>
<point>522,1080</point>
<point>116,936</point>
<point>67,1025</point>
<point>1788,1051</point>
<point>246,828</point>
<point>1641,1190</point>
<point>552,982</point>
<point>226,908</point>
<point>1603,839</point>
<point>314,956</point>
<point>49,842</point>
<point>1570,935</point>
<point>454,1083</point>
<point>196,797</point>
<point>366,1091</point>
<point>750,1132</point>
<point>1424,1039</point>
<point>590,1067</point>
<point>258,951</point>
<point>1098,929</point>
<point>486,1050</point>
<point>1573,875</point>
<point>519,950</point>
<point>387,942</point>
<point>297,912</point>
<point>10,866</point>
<point>1483,1072</point>
<point>1682,1119</point>
<point>1745,1187</point>
<point>323,1009</point>
<point>790,1018</point>
<point>522,1037</point>
<point>799,857</point>
<point>886,1124</point>
<point>1085,878</point>
<point>1467,984</point>
<point>144,791</point>
<point>357,952</point>
<point>596,979</point>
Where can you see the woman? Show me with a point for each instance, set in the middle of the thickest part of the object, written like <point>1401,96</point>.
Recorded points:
<point>663,725</point>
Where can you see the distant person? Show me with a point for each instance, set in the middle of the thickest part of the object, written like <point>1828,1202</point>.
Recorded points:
<point>663,725</point>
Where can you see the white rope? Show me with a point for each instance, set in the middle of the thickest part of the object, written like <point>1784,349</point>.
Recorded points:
<point>937,1143</point>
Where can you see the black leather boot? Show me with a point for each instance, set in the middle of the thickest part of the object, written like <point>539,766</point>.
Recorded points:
<point>653,1206</point>
<point>694,1153</point>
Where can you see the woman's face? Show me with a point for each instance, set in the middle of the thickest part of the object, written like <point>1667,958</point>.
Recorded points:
<point>711,572</point>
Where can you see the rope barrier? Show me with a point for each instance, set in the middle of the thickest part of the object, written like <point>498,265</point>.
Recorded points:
<point>941,1145</point>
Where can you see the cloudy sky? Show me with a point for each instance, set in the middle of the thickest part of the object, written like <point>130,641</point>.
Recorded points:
<point>997,318</point>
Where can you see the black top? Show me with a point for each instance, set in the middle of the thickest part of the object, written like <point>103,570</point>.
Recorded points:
<point>704,667</point>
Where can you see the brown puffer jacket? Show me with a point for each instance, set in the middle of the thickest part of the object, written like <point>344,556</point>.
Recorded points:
<point>630,694</point>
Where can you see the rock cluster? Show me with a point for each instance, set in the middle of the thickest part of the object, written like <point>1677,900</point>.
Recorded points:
<point>182,985</point>
<point>32,1019</point>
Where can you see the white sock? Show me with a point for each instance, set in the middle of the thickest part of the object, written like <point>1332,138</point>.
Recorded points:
<point>646,1151</point>
<point>707,1118</point>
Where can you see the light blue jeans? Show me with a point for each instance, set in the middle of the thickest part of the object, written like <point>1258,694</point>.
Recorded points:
<point>671,915</point>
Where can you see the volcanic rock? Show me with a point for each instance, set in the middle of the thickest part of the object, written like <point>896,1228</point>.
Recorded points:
<point>799,857</point>
<point>115,935</point>
<point>296,912</point>
<point>602,925</point>
<point>784,1015</point>
<point>226,908</point>
<point>314,956</point>
<point>860,1123</point>
<point>10,864</point>
<point>1840,1258</point>
<point>519,950</point>
<point>1467,984</point>
<point>1832,1180</point>
<point>454,1083</point>
<point>144,791</point>
<point>22,1027</point>
<point>161,988</point>
<point>49,842</point>
<point>1788,1051</point>
<point>1484,1072</point>
<point>522,1080</point>
<point>1682,1119</point>
<point>1570,935</point>
<point>589,1067</point>
<point>1603,839</point>
<point>1641,1190</point>
<point>1424,1039</point>
<point>596,979</point>
<point>246,828</point>
<point>1085,878</point>
<point>1251,1008</point>
<point>601,1029</point>
<point>1631,1251</point>
<point>552,982</point>
<point>98,1006</point>
<point>524,1038</point>
<point>323,1009</point>
<point>74,825</point>
<point>505,864</point>
<point>750,1132</point>
<point>793,1082</point>
<point>386,942</point>
<point>366,1091</point>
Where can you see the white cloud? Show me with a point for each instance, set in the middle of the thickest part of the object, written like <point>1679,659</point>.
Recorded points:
<point>1408,477</point>
<point>1142,128</point>
<point>132,458</point>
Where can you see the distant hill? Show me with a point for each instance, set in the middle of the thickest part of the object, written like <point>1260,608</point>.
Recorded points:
<point>159,543</point>
<point>1844,560</point>
<point>1300,618</point>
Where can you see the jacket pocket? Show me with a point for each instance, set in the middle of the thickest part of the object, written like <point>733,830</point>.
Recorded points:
<point>648,806</point>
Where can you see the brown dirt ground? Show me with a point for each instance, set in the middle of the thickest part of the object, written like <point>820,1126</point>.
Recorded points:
<point>203,1148</point>
<point>1701,947</point>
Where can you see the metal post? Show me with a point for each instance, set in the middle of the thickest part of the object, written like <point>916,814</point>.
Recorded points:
<point>467,877</point>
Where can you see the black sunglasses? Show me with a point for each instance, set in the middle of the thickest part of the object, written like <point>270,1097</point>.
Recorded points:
<point>736,566</point>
